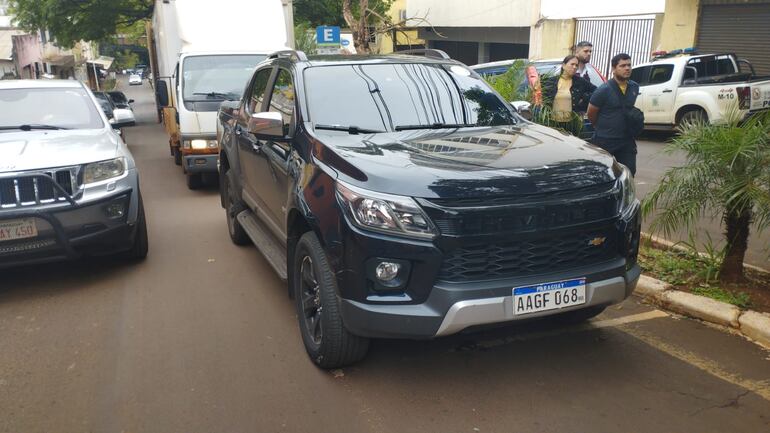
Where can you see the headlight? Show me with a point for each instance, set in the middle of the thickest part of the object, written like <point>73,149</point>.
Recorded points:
<point>627,190</point>
<point>99,171</point>
<point>200,144</point>
<point>384,212</point>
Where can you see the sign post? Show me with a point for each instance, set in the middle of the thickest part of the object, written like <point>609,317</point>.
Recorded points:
<point>328,39</point>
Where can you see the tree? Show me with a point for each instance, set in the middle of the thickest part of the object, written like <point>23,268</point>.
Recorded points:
<point>125,59</point>
<point>726,175</point>
<point>74,20</point>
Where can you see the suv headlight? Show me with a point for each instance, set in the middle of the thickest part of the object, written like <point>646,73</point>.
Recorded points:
<point>385,213</point>
<point>627,191</point>
<point>103,170</point>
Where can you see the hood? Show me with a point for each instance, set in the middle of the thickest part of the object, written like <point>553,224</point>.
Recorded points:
<point>34,150</point>
<point>469,162</point>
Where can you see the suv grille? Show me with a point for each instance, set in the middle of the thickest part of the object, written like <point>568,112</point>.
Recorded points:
<point>37,187</point>
<point>529,257</point>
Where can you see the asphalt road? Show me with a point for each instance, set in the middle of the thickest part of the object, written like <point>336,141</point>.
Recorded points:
<point>201,337</point>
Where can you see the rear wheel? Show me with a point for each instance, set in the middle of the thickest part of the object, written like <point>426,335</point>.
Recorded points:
<point>693,116</point>
<point>326,340</point>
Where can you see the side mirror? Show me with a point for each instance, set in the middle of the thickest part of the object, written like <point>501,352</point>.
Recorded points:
<point>161,91</point>
<point>523,108</point>
<point>130,101</point>
<point>267,125</point>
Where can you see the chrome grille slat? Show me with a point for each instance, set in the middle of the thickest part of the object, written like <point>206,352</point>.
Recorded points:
<point>29,188</point>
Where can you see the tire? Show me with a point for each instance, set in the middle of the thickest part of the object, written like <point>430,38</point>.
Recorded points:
<point>581,315</point>
<point>140,245</point>
<point>177,156</point>
<point>233,206</point>
<point>693,116</point>
<point>327,342</point>
<point>194,181</point>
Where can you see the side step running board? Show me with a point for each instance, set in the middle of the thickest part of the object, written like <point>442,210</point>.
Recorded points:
<point>274,252</point>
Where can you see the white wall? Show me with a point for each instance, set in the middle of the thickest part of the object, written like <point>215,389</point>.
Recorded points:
<point>561,9</point>
<point>479,13</point>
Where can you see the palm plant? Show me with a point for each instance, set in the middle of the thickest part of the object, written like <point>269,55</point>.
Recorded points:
<point>727,175</point>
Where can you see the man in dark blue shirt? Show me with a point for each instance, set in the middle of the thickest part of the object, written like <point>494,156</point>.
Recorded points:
<point>606,113</point>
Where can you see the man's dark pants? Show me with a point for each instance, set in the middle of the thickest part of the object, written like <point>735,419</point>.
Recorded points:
<point>623,149</point>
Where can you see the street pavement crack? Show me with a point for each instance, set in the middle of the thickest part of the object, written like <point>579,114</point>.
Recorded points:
<point>733,402</point>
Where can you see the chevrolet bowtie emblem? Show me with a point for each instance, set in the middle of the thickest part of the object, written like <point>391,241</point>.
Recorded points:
<point>595,242</point>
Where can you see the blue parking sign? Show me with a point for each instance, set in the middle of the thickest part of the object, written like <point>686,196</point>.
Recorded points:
<point>327,36</point>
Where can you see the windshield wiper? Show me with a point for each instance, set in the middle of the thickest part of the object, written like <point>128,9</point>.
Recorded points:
<point>31,126</point>
<point>228,96</point>
<point>435,126</point>
<point>348,129</point>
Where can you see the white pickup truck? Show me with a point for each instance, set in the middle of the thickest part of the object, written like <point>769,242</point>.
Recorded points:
<point>678,88</point>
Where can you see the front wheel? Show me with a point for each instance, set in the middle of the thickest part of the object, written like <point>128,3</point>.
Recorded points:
<point>140,244</point>
<point>326,340</point>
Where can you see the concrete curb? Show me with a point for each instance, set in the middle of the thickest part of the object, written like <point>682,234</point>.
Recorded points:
<point>751,324</point>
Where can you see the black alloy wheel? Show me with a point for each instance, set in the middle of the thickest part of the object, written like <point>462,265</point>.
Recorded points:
<point>233,206</point>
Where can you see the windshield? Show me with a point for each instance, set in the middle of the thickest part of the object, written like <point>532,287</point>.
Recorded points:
<point>70,108</point>
<point>402,96</point>
<point>118,97</point>
<point>217,77</point>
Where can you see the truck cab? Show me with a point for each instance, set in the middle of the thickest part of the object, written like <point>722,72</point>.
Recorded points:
<point>681,86</point>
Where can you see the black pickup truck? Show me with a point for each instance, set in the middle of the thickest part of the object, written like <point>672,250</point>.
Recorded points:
<point>401,197</point>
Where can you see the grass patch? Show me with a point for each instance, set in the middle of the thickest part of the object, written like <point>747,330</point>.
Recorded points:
<point>740,299</point>
<point>689,272</point>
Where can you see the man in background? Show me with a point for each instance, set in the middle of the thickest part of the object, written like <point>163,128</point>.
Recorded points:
<point>583,51</point>
<point>606,111</point>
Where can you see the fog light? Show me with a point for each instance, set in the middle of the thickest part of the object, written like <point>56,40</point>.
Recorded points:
<point>387,271</point>
<point>115,210</point>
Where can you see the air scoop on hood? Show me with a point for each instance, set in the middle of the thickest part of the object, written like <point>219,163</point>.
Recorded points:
<point>472,162</point>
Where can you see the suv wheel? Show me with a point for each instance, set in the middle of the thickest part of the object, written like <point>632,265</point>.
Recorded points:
<point>233,206</point>
<point>140,245</point>
<point>327,341</point>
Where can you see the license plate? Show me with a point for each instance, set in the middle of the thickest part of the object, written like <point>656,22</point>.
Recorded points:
<point>548,296</point>
<point>17,229</point>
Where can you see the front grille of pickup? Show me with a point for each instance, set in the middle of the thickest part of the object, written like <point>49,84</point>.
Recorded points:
<point>507,259</point>
<point>37,187</point>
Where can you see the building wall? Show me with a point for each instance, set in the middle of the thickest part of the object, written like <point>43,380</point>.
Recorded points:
<point>677,26</point>
<point>464,13</point>
<point>386,43</point>
<point>27,53</point>
<point>551,39</point>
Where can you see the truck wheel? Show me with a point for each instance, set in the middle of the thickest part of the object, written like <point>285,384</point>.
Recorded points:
<point>693,116</point>
<point>233,206</point>
<point>327,341</point>
<point>194,181</point>
<point>177,156</point>
<point>140,246</point>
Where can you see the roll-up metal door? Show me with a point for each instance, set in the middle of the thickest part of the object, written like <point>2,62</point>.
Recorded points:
<point>614,36</point>
<point>740,29</point>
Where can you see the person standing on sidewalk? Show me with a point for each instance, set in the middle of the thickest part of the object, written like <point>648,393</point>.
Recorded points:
<point>566,96</point>
<point>612,113</point>
<point>583,51</point>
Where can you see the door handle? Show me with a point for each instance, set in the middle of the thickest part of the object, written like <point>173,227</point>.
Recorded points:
<point>667,91</point>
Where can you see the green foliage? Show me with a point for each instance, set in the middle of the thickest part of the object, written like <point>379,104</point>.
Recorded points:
<point>740,299</point>
<point>304,38</point>
<point>710,260</point>
<point>726,174</point>
<point>73,20</point>
<point>315,13</point>
<point>125,59</point>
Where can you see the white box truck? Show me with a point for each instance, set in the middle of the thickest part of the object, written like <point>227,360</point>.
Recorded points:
<point>204,52</point>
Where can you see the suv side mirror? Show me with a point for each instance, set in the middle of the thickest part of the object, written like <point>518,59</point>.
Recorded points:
<point>161,91</point>
<point>267,125</point>
<point>130,101</point>
<point>523,108</point>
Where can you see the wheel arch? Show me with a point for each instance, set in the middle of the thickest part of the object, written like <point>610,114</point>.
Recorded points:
<point>687,108</point>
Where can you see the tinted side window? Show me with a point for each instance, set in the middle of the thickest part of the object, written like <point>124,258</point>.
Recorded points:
<point>641,75</point>
<point>258,89</point>
<point>282,99</point>
<point>661,74</point>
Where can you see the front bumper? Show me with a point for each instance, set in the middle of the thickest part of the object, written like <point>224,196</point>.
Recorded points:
<point>195,164</point>
<point>450,309</point>
<point>81,227</point>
